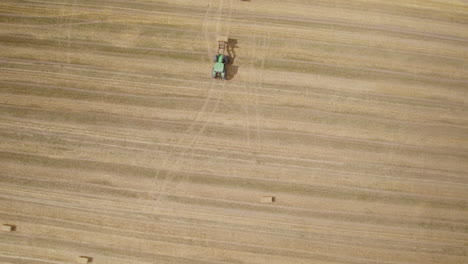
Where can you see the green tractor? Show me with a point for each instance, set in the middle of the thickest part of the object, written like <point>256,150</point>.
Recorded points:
<point>220,60</point>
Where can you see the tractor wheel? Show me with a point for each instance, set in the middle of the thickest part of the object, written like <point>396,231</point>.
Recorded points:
<point>215,58</point>
<point>226,60</point>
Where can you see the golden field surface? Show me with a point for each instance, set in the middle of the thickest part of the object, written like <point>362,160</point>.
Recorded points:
<point>116,143</point>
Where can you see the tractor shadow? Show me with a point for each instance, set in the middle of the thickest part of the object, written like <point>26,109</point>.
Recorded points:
<point>231,69</point>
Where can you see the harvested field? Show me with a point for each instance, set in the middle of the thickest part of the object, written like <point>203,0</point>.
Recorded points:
<point>350,117</point>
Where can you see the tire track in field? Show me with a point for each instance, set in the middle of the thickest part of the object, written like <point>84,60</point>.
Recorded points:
<point>205,27</point>
<point>192,134</point>
<point>251,87</point>
<point>190,151</point>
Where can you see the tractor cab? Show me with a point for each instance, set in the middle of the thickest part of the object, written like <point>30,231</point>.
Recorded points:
<point>219,71</point>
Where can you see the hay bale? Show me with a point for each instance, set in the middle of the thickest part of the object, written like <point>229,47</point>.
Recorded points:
<point>267,199</point>
<point>8,227</point>
<point>85,259</point>
<point>222,38</point>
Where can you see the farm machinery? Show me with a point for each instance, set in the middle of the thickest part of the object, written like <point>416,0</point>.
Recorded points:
<point>220,60</point>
